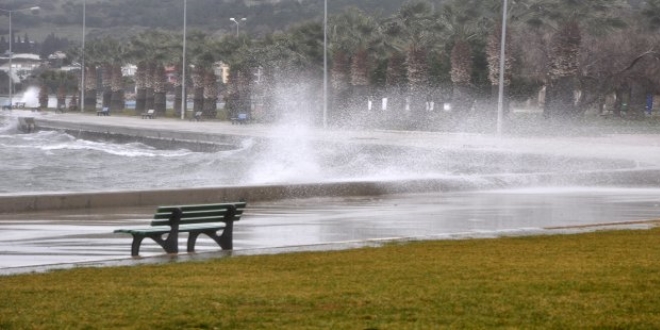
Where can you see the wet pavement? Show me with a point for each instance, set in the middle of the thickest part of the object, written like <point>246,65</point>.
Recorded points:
<point>64,239</point>
<point>42,241</point>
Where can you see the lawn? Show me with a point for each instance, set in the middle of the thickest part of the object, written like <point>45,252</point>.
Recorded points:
<point>607,279</point>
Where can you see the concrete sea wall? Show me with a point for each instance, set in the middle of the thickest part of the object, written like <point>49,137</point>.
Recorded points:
<point>105,199</point>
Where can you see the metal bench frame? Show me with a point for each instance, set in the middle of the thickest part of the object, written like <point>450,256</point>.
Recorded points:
<point>105,111</point>
<point>207,219</point>
<point>241,118</point>
<point>151,114</point>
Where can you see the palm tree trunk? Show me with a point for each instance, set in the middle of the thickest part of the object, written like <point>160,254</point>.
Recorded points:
<point>61,97</point>
<point>493,51</point>
<point>562,74</point>
<point>639,89</point>
<point>620,98</point>
<point>149,84</point>
<point>461,74</point>
<point>160,89</point>
<point>360,80</point>
<point>43,96</point>
<point>178,104</point>
<point>198,89</point>
<point>106,83</point>
<point>268,106</point>
<point>89,103</point>
<point>141,87</point>
<point>395,80</point>
<point>117,87</point>
<point>210,95</point>
<point>339,77</point>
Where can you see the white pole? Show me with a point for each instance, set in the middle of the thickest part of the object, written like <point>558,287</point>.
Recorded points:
<point>11,67</point>
<point>237,23</point>
<point>500,101</point>
<point>82,66</point>
<point>184,100</point>
<point>325,64</point>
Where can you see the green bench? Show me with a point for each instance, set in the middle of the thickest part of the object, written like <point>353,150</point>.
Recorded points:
<point>197,219</point>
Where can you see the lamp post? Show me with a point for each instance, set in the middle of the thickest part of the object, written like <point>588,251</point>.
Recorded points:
<point>325,64</point>
<point>10,73</point>
<point>184,99</point>
<point>500,99</point>
<point>82,65</point>
<point>237,23</point>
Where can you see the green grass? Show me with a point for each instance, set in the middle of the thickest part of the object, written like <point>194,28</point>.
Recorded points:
<point>602,280</point>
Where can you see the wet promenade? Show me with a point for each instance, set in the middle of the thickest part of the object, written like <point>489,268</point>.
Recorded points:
<point>36,241</point>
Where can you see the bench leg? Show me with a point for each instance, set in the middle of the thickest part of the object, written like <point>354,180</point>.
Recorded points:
<point>192,239</point>
<point>225,240</point>
<point>135,246</point>
<point>170,244</point>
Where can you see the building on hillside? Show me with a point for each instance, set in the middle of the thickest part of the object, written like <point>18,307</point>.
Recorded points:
<point>221,70</point>
<point>128,70</point>
<point>56,59</point>
<point>22,65</point>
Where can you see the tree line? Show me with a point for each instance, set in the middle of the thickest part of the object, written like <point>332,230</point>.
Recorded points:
<point>578,52</point>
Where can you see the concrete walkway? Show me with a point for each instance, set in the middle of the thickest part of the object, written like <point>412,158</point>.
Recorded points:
<point>54,240</point>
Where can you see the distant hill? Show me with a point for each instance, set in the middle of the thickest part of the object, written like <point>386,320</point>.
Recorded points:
<point>122,18</point>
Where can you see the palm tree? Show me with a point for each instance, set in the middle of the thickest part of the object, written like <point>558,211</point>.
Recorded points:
<point>290,63</point>
<point>44,91</point>
<point>203,58</point>
<point>414,32</point>
<point>151,49</point>
<point>516,10</point>
<point>566,20</point>
<point>361,34</point>
<point>340,47</point>
<point>94,56</point>
<point>108,54</point>
<point>277,58</point>
<point>115,54</point>
<point>463,22</point>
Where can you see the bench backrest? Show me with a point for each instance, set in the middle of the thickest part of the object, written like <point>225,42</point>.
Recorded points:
<point>151,111</point>
<point>200,213</point>
<point>242,116</point>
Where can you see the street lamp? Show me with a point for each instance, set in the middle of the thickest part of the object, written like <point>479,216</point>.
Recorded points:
<point>500,99</point>
<point>82,65</point>
<point>237,23</point>
<point>34,10</point>
<point>325,64</point>
<point>184,99</point>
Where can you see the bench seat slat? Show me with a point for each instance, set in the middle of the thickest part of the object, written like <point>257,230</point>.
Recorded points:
<point>164,229</point>
<point>195,214</point>
<point>200,218</point>
<point>200,207</point>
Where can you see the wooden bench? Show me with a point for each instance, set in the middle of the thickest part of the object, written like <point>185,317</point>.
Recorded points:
<point>198,219</point>
<point>241,118</point>
<point>105,111</point>
<point>151,114</point>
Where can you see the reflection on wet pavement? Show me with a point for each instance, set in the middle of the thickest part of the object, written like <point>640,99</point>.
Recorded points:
<point>38,241</point>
